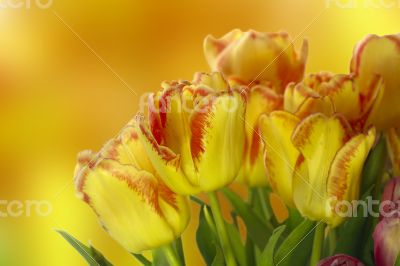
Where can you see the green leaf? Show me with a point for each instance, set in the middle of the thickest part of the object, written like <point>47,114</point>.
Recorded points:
<point>142,259</point>
<point>352,232</point>
<point>296,248</point>
<point>294,220</point>
<point>237,244</point>
<point>90,254</point>
<point>206,237</point>
<point>397,263</point>
<point>374,166</point>
<point>267,256</point>
<point>256,228</point>
<point>219,259</point>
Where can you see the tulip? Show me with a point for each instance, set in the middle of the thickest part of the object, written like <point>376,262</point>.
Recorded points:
<point>195,136</point>
<point>379,56</point>
<point>327,93</point>
<point>329,167</point>
<point>260,100</point>
<point>340,260</point>
<point>255,56</point>
<point>133,205</point>
<point>387,241</point>
<point>393,144</point>
<point>312,171</point>
<point>391,199</point>
<point>280,154</point>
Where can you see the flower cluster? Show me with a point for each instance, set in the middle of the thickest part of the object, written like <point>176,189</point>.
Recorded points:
<point>312,140</point>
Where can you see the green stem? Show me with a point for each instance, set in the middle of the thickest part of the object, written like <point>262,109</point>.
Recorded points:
<point>263,200</point>
<point>171,255</point>
<point>179,248</point>
<point>317,244</point>
<point>222,232</point>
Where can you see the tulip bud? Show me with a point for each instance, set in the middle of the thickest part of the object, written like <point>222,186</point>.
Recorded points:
<point>251,56</point>
<point>133,205</point>
<point>379,56</point>
<point>387,241</point>
<point>391,199</point>
<point>340,260</point>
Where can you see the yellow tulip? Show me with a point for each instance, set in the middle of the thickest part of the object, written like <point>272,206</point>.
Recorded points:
<point>280,154</point>
<point>314,163</point>
<point>328,170</point>
<point>259,100</point>
<point>393,144</point>
<point>327,93</point>
<point>195,137</point>
<point>379,56</point>
<point>133,205</point>
<point>255,56</point>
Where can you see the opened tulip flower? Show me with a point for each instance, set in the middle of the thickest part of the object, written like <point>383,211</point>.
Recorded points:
<point>379,56</point>
<point>195,138</point>
<point>327,93</point>
<point>393,144</point>
<point>340,260</point>
<point>253,56</point>
<point>133,205</point>
<point>387,241</point>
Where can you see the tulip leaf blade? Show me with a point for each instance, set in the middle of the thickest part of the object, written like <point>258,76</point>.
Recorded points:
<point>90,254</point>
<point>206,237</point>
<point>293,249</point>
<point>397,263</point>
<point>267,256</point>
<point>252,221</point>
<point>352,232</point>
<point>237,244</point>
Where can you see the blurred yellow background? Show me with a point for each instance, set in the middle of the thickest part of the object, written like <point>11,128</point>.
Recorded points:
<point>57,97</point>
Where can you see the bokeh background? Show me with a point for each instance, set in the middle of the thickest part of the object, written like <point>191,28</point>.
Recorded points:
<point>57,97</point>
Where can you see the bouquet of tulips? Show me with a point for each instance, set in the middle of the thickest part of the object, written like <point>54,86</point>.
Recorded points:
<point>318,154</point>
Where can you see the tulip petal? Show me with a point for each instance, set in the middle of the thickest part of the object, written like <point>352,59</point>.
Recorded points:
<point>260,100</point>
<point>380,56</point>
<point>218,139</point>
<point>167,164</point>
<point>126,201</point>
<point>345,172</point>
<point>317,153</point>
<point>280,154</point>
<point>127,149</point>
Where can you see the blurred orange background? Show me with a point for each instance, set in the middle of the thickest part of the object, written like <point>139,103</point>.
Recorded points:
<point>71,77</point>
